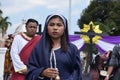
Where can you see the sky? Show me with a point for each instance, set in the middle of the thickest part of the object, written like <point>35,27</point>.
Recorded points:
<point>17,10</point>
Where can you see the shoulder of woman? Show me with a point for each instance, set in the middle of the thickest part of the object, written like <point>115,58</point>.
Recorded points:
<point>73,47</point>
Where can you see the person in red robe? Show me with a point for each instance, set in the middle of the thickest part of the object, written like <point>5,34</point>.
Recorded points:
<point>21,48</point>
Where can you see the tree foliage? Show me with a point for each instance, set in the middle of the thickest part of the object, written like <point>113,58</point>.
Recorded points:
<point>4,23</point>
<point>106,14</point>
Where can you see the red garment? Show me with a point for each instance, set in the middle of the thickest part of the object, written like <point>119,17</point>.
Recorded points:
<point>24,55</point>
<point>25,52</point>
<point>95,74</point>
<point>102,59</point>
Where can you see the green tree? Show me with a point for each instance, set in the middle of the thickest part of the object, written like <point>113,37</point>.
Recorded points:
<point>106,14</point>
<point>4,23</point>
<point>1,15</point>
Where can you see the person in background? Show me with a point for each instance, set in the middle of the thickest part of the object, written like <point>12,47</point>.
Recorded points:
<point>103,63</point>
<point>7,61</point>
<point>101,59</point>
<point>54,57</point>
<point>99,65</point>
<point>114,64</point>
<point>21,48</point>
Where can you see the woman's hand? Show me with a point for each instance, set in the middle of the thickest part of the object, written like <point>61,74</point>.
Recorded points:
<point>50,73</point>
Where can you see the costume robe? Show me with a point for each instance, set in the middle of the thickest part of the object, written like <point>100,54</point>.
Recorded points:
<point>24,55</point>
<point>68,64</point>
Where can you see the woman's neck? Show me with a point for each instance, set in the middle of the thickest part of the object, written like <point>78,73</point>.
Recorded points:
<point>56,43</point>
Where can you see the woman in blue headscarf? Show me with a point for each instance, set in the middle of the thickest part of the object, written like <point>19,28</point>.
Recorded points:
<point>54,57</point>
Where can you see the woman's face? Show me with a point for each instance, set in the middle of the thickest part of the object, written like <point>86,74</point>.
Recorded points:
<point>31,29</point>
<point>55,28</point>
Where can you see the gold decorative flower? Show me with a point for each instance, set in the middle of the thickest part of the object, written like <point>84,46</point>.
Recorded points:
<point>95,29</point>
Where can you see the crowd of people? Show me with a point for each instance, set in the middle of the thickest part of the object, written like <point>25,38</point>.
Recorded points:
<point>51,56</point>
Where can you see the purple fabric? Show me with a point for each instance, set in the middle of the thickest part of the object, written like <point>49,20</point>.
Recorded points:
<point>81,48</point>
<point>111,39</point>
<point>100,49</point>
<point>74,37</point>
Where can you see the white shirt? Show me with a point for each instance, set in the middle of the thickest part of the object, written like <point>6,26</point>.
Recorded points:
<point>18,43</point>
